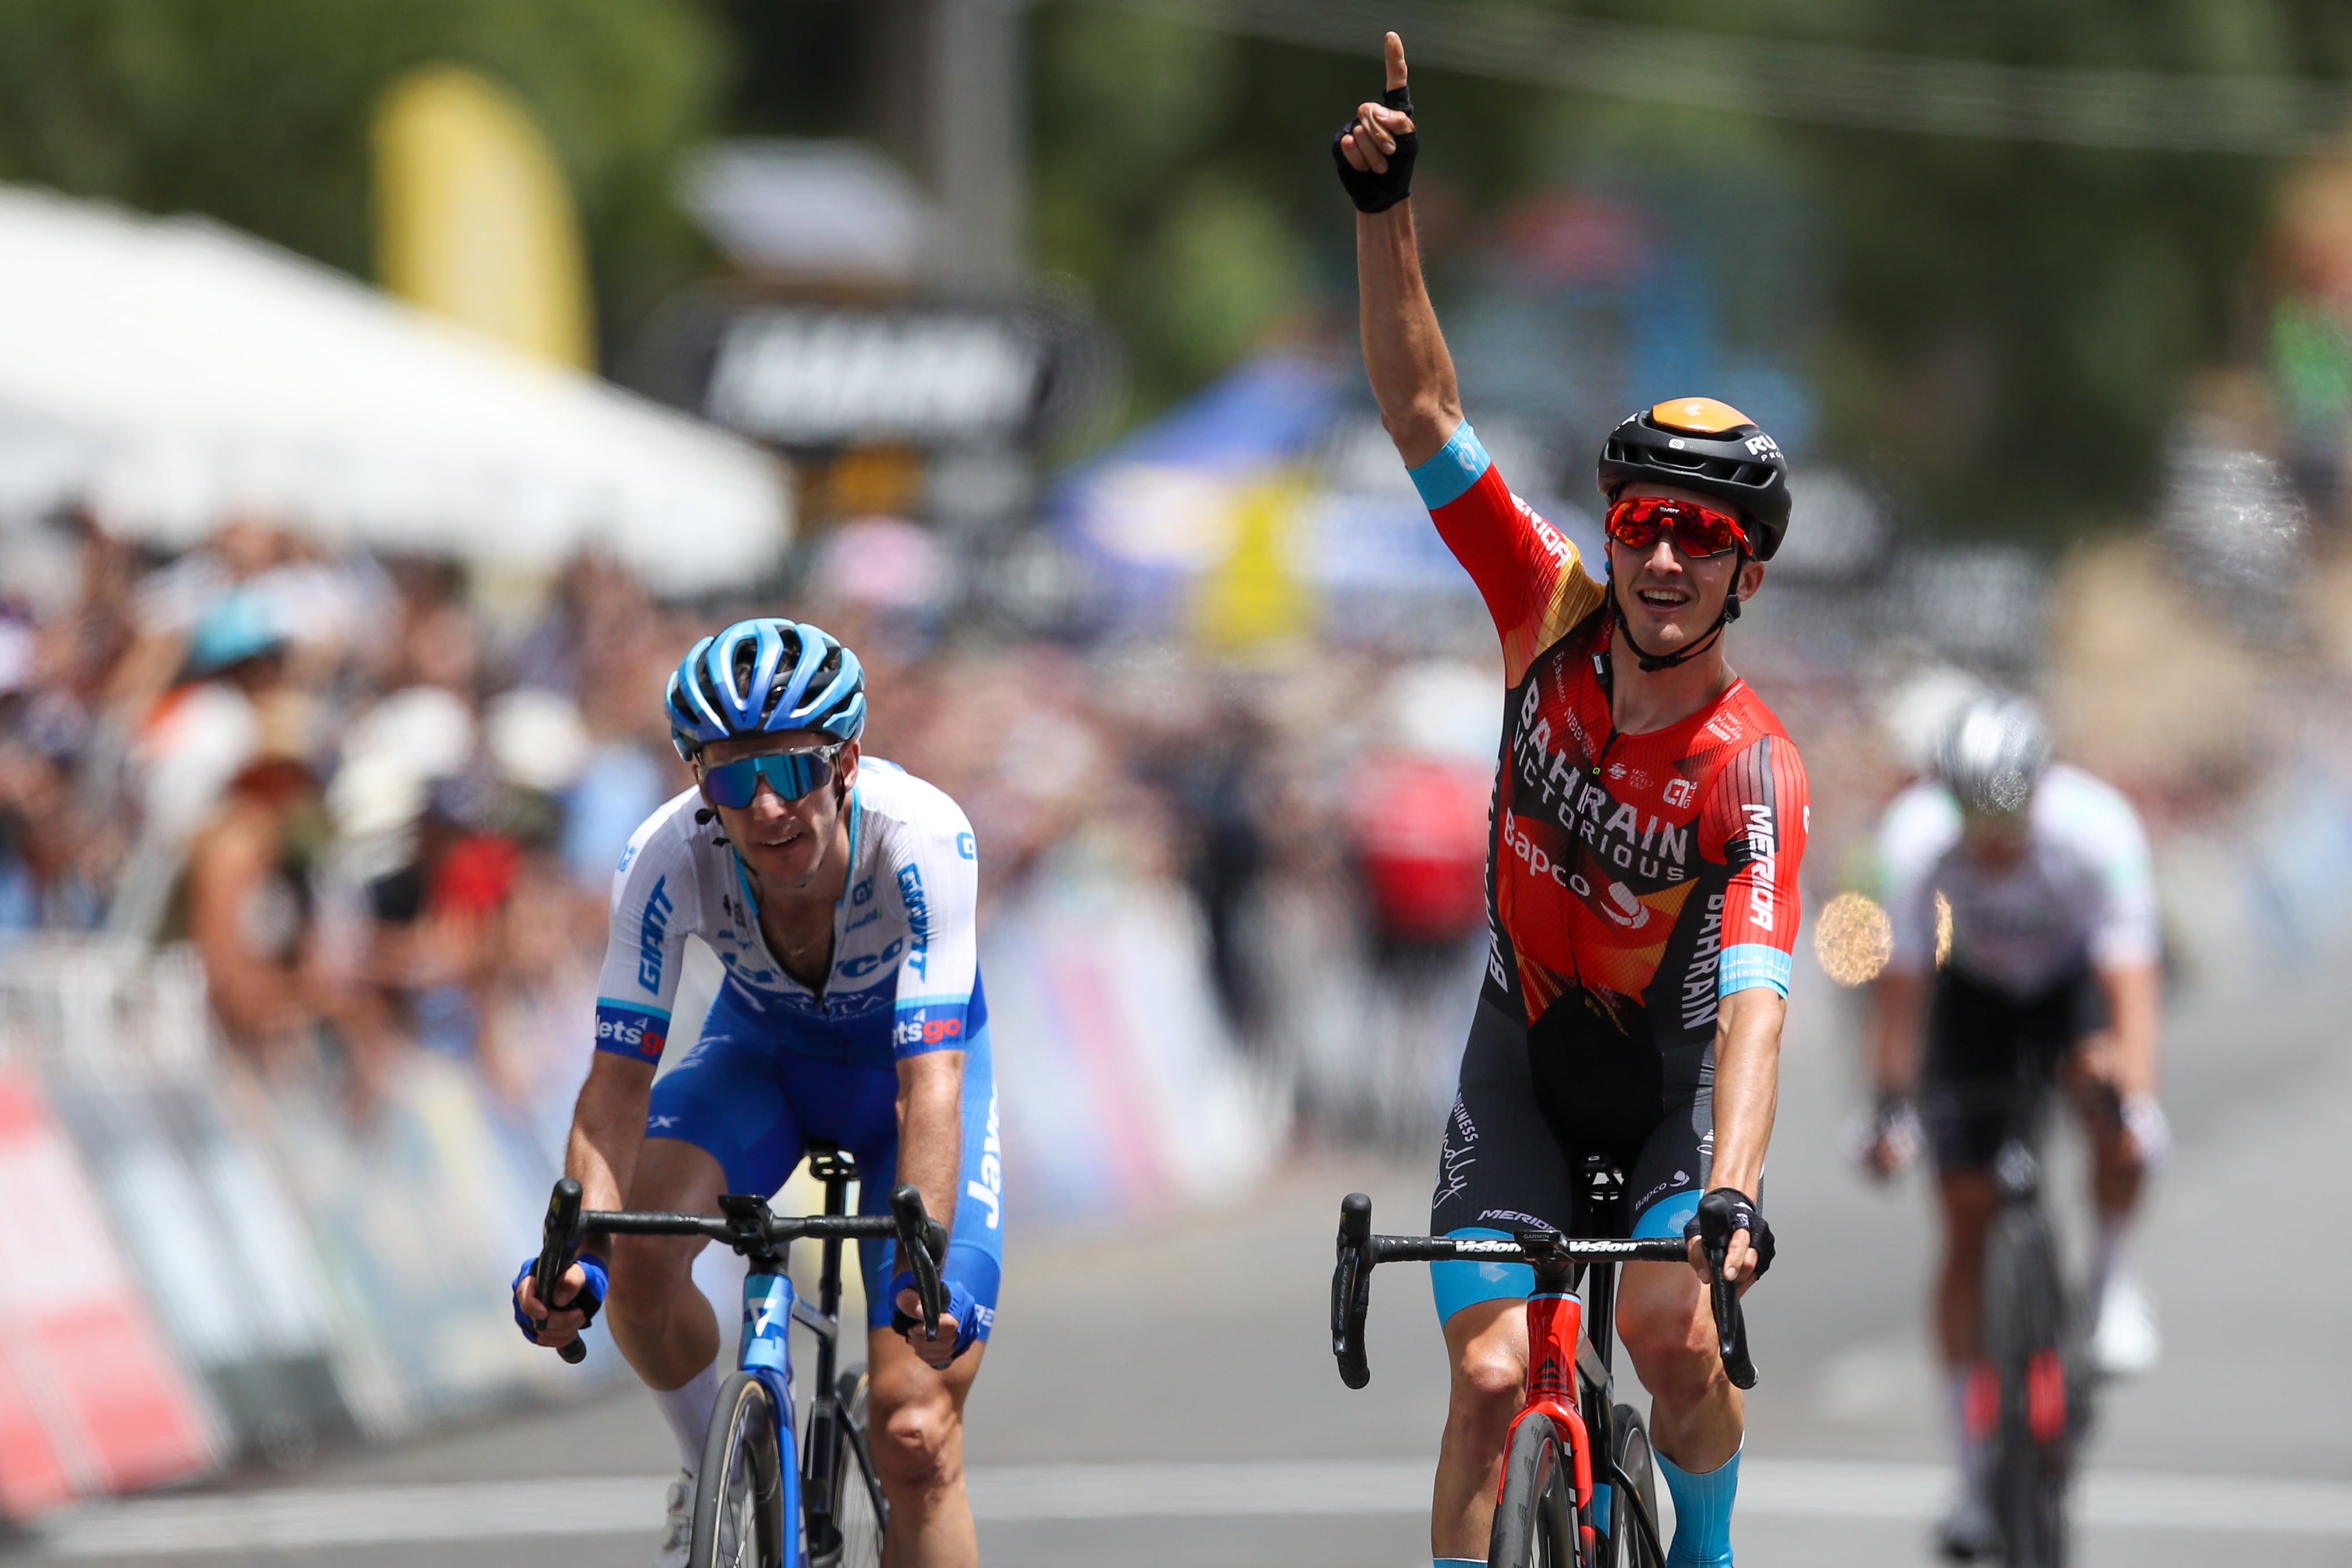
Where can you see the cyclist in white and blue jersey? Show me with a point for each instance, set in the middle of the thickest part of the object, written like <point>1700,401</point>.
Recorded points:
<point>839,893</point>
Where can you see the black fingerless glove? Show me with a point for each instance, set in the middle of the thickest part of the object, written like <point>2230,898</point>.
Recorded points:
<point>1372,192</point>
<point>1724,1212</point>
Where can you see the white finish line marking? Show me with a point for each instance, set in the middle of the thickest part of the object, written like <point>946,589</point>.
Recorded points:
<point>1016,1494</point>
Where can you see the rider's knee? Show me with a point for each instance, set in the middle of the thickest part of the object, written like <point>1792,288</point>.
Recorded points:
<point>1672,1346</point>
<point>1490,1379</point>
<point>646,1273</point>
<point>917,1445</point>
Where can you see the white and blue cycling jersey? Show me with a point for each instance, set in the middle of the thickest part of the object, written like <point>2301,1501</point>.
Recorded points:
<point>906,957</point>
<point>777,1062</point>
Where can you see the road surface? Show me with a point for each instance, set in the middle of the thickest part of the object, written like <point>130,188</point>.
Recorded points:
<point>1166,1397</point>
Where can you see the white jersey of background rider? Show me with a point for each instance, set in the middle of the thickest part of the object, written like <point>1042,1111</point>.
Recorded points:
<point>2084,890</point>
<point>904,945</point>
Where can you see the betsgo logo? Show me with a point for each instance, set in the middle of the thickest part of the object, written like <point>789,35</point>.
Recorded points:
<point>920,1028</point>
<point>631,1033</point>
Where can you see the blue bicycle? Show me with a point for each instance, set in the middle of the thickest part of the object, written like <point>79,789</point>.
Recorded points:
<point>755,1482</point>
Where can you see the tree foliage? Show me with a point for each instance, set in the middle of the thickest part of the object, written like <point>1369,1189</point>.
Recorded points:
<point>258,111</point>
<point>2001,330</point>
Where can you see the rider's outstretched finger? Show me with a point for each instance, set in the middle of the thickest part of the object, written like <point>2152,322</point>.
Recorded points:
<point>1392,51</point>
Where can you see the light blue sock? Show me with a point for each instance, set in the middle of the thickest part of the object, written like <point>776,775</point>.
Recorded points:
<point>1701,1513</point>
<point>1458,1562</point>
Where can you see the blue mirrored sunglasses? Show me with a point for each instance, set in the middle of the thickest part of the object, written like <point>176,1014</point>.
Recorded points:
<point>792,774</point>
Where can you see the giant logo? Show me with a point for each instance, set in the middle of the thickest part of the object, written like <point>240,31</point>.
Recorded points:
<point>919,919</point>
<point>653,930</point>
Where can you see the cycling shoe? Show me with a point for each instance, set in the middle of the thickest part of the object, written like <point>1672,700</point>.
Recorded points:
<point>1967,1533</point>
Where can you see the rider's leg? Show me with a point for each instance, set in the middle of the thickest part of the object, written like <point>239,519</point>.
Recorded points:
<point>1663,1315</point>
<point>1696,1417</point>
<point>1501,1167</point>
<point>915,1415</point>
<point>660,1320</point>
<point>1969,1198</point>
<point>718,1122</point>
<point>2118,1174</point>
<point>1666,1317</point>
<point>915,1422</point>
<point>1486,1345</point>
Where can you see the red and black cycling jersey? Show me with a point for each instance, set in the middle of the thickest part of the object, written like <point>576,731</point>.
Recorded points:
<point>1632,880</point>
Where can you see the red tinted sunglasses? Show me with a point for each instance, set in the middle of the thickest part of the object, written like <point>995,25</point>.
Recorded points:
<point>1699,531</point>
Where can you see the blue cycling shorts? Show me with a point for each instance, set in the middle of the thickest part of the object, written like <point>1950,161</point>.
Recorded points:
<point>747,1098</point>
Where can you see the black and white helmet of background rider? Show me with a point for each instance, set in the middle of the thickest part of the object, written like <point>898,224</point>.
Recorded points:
<point>1994,752</point>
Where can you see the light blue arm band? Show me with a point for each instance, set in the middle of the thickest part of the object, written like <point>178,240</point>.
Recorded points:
<point>1445,477</point>
<point>1749,965</point>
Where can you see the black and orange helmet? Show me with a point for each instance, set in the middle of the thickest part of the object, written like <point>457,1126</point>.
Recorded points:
<point>1699,444</point>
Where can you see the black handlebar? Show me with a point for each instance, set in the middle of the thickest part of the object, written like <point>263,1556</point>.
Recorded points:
<point>749,1229</point>
<point>1360,1250</point>
<point>559,1245</point>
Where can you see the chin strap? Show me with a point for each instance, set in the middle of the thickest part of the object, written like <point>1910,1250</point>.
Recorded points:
<point>1652,663</point>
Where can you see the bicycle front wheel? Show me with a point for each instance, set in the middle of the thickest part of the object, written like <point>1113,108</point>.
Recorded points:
<point>1629,1544</point>
<point>738,1497</point>
<point>1534,1523</point>
<point>2024,1335</point>
<point>859,1514</point>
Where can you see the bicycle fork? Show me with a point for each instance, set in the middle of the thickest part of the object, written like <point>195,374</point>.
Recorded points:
<point>1555,1326</point>
<point>769,1303</point>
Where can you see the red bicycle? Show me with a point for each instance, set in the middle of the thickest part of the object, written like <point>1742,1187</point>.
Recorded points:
<point>1576,1467</point>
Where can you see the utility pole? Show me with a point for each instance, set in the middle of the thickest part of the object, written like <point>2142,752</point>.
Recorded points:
<point>951,102</point>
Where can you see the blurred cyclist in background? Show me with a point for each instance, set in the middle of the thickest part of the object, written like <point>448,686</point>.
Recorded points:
<point>1649,815</point>
<point>839,895</point>
<point>2052,949</point>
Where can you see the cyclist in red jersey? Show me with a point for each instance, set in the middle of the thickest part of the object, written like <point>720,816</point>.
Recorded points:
<point>1649,815</point>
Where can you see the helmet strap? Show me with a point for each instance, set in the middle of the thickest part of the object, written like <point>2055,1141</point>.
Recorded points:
<point>1650,663</point>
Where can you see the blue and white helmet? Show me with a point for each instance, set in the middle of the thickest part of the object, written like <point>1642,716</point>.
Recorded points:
<point>762,676</point>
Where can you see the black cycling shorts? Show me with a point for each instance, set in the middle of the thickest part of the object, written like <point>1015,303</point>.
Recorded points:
<point>1979,1037</point>
<point>1532,1105</point>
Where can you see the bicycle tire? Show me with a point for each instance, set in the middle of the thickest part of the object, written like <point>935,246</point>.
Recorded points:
<point>2024,1336</point>
<point>1628,1547</point>
<point>1535,1522</point>
<point>738,1498</point>
<point>861,1515</point>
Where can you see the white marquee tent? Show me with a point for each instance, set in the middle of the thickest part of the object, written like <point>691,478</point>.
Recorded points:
<point>172,372</point>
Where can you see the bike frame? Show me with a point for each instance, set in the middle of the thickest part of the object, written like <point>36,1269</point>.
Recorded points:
<point>770,1306</point>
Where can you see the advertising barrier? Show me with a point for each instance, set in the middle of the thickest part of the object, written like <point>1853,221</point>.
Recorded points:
<point>205,1264</point>
<point>91,1398</point>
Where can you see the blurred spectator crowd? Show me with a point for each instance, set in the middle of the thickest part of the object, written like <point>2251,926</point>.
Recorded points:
<point>382,798</point>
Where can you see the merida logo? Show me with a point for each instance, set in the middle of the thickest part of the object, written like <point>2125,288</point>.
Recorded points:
<point>651,932</point>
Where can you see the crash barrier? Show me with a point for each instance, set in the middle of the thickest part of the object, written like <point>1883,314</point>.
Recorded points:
<point>280,1270</point>
<point>205,1262</point>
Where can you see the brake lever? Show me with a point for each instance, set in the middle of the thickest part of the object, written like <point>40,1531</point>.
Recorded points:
<point>1351,1290</point>
<point>922,1241</point>
<point>1730,1322</point>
